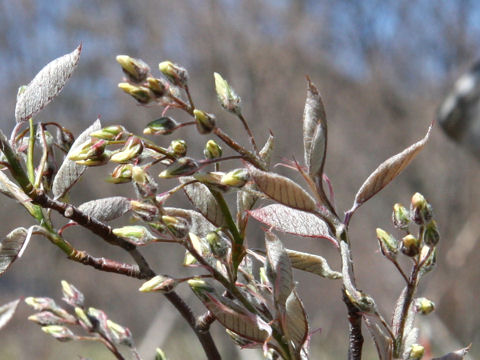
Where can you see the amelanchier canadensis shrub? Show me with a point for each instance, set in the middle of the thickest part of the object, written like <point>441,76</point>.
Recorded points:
<point>250,292</point>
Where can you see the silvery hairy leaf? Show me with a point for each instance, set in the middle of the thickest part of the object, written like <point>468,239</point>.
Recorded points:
<point>70,171</point>
<point>46,85</point>
<point>314,131</point>
<point>296,321</point>
<point>383,343</point>
<point>455,355</point>
<point>11,247</point>
<point>12,190</point>
<point>6,312</point>
<point>106,209</point>
<point>312,263</point>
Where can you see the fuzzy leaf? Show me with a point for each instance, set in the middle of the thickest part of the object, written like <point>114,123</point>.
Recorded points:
<point>292,221</point>
<point>267,150</point>
<point>70,171</point>
<point>312,263</point>
<point>296,321</point>
<point>6,312</point>
<point>11,247</point>
<point>397,312</point>
<point>203,200</point>
<point>12,190</point>
<point>106,209</point>
<point>279,269</point>
<point>455,355</point>
<point>387,171</point>
<point>382,342</point>
<point>46,85</point>
<point>314,131</point>
<point>282,190</point>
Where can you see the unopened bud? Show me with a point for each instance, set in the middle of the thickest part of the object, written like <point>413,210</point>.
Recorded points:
<point>146,211</point>
<point>140,93</point>
<point>430,262</point>
<point>72,295</point>
<point>109,133</point>
<point>121,174</point>
<point>144,185</point>
<point>410,245</point>
<point>82,316</point>
<point>135,234</point>
<point>89,149</point>
<point>212,150</point>
<point>157,86</point>
<point>205,122</point>
<point>218,246</point>
<point>45,318</point>
<point>181,167</point>
<point>424,306</point>
<point>179,147</point>
<point>262,273</point>
<point>61,333</point>
<point>236,178</point>
<point>99,160</point>
<point>98,318</point>
<point>416,352</point>
<point>420,210</point>
<point>41,303</point>
<point>159,354</point>
<point>226,95</point>
<point>159,283</point>
<point>400,216</point>
<point>121,334</point>
<point>200,287</point>
<point>177,226</point>
<point>431,237</point>
<point>388,244</point>
<point>135,69</point>
<point>176,74</point>
<point>132,148</point>
<point>162,126</point>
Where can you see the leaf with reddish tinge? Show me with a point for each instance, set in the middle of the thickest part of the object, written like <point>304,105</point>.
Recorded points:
<point>6,312</point>
<point>314,131</point>
<point>292,221</point>
<point>312,263</point>
<point>11,247</point>
<point>455,355</point>
<point>46,85</point>
<point>282,190</point>
<point>106,209</point>
<point>296,321</point>
<point>387,171</point>
<point>70,171</point>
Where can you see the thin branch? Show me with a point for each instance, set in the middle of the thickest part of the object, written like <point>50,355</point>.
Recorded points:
<point>355,341</point>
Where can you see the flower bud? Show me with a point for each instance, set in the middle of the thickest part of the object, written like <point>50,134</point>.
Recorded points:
<point>146,211</point>
<point>176,74</point>
<point>205,122</point>
<point>424,306</point>
<point>61,333</point>
<point>236,178</point>
<point>47,304</point>
<point>98,319</point>
<point>226,95</point>
<point>159,354</point>
<point>135,69</point>
<point>400,216</point>
<point>388,244</point>
<point>71,295</point>
<point>144,185</point>
<point>89,149</point>
<point>132,148</point>
<point>262,273</point>
<point>82,316</point>
<point>212,150</point>
<point>135,234</point>
<point>159,283</point>
<point>140,93</point>
<point>218,246</point>
<point>420,210</point>
<point>99,160</point>
<point>179,147</point>
<point>431,237</point>
<point>177,226</point>
<point>45,318</point>
<point>113,132</point>
<point>121,174</point>
<point>121,334</point>
<point>410,245</point>
<point>416,352</point>
<point>200,287</point>
<point>157,86</point>
<point>181,167</point>
<point>163,126</point>
<point>430,262</point>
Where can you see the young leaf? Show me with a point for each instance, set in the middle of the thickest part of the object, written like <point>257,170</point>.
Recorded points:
<point>455,355</point>
<point>282,190</point>
<point>382,342</point>
<point>12,190</point>
<point>46,85</point>
<point>314,131</point>
<point>11,247</point>
<point>312,263</point>
<point>387,171</point>
<point>6,312</point>
<point>197,223</point>
<point>292,221</point>
<point>296,321</point>
<point>106,209</point>
<point>70,171</point>
<point>203,200</point>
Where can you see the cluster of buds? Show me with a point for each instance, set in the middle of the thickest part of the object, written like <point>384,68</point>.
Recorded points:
<point>91,153</point>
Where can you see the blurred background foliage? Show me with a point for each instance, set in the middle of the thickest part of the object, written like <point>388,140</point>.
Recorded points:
<point>382,66</point>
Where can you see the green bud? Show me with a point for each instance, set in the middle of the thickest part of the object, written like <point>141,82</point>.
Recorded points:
<point>45,318</point>
<point>146,211</point>
<point>262,273</point>
<point>388,244</point>
<point>82,316</point>
<point>212,150</point>
<point>157,86</point>
<point>181,167</point>
<point>135,69</point>
<point>218,246</point>
<point>424,306</point>
<point>159,354</point>
<point>72,295</point>
<point>226,95</point>
<point>132,148</point>
<point>61,333</point>
<point>140,93</point>
<point>136,234</point>
<point>400,216</point>
<point>176,74</point>
<point>431,236</point>
<point>41,303</point>
<point>200,287</point>
<point>416,352</point>
<point>410,245</point>
<point>122,335</point>
<point>179,147</point>
<point>121,174</point>
<point>113,132</point>
<point>205,122</point>
<point>99,160</point>
<point>159,283</point>
<point>236,178</point>
<point>420,210</point>
<point>89,149</point>
<point>177,226</point>
<point>163,126</point>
